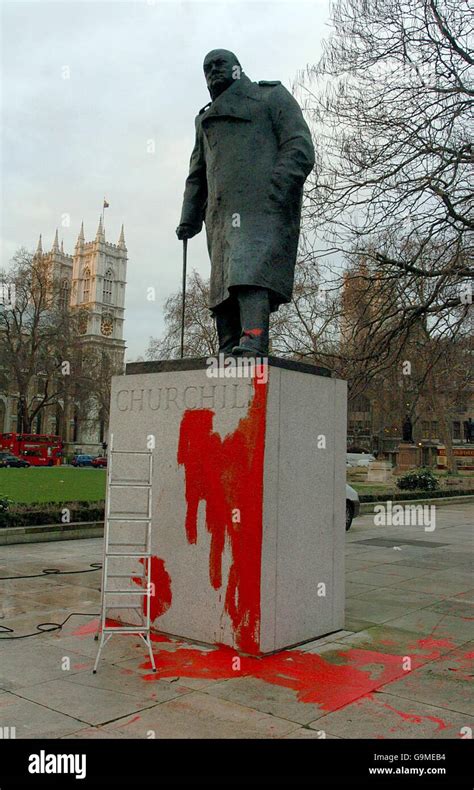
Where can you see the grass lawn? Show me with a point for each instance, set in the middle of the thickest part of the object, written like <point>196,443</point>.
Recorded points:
<point>373,488</point>
<point>58,484</point>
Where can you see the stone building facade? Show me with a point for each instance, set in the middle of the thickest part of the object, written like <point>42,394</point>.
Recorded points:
<point>92,280</point>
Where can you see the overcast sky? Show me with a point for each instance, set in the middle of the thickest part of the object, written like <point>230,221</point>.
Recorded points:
<point>135,75</point>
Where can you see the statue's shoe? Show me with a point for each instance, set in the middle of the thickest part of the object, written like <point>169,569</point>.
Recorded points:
<point>248,351</point>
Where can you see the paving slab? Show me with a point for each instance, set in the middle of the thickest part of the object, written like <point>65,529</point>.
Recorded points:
<point>398,595</point>
<point>34,721</point>
<point>354,588</point>
<point>200,715</point>
<point>445,681</point>
<point>111,677</point>
<point>143,665</point>
<point>384,716</point>
<point>375,578</point>
<point>437,625</point>
<point>401,571</point>
<point>356,624</point>
<point>20,667</point>
<point>267,698</point>
<point>444,583</point>
<point>456,607</point>
<point>375,610</point>
<point>89,705</point>
<point>396,641</point>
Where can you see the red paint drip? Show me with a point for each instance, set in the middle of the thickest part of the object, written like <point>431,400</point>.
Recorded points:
<point>160,600</point>
<point>417,719</point>
<point>227,474</point>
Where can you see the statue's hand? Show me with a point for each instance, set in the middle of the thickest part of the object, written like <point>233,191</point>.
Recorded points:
<point>185,231</point>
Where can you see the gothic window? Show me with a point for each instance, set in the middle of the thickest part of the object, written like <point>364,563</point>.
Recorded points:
<point>75,426</point>
<point>86,286</point>
<point>64,295</point>
<point>108,282</point>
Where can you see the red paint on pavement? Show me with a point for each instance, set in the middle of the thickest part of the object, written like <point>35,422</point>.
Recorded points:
<point>160,600</point>
<point>127,723</point>
<point>92,627</point>
<point>415,718</point>
<point>227,474</point>
<point>159,637</point>
<point>314,679</point>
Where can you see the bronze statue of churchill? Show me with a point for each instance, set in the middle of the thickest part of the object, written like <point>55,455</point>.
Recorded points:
<point>252,155</point>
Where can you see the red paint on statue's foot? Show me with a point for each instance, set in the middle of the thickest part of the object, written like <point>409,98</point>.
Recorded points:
<point>227,474</point>
<point>160,599</point>
<point>253,332</point>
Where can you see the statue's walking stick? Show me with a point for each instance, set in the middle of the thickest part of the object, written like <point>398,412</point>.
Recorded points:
<point>183,303</point>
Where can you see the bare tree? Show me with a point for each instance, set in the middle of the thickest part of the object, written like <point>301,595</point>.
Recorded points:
<point>391,106</point>
<point>39,341</point>
<point>200,336</point>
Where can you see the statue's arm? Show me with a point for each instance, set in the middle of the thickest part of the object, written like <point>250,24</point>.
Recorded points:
<point>295,147</point>
<point>195,192</point>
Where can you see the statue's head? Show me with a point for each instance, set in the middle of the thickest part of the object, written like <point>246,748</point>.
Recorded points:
<point>221,68</point>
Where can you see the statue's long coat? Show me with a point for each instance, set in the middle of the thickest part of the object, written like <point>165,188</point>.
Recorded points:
<point>252,154</point>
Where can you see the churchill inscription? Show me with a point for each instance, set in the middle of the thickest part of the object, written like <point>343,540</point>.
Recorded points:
<point>208,396</point>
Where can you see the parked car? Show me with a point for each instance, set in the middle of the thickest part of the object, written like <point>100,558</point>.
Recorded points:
<point>100,461</point>
<point>8,459</point>
<point>82,460</point>
<point>359,459</point>
<point>352,505</point>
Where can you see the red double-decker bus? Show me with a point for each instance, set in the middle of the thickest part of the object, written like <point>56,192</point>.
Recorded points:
<point>38,449</point>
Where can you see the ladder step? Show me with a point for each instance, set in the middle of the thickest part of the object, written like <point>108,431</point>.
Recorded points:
<point>118,543</point>
<point>129,484</point>
<point>132,452</point>
<point>121,606</point>
<point>145,555</point>
<point>137,630</point>
<point>128,519</point>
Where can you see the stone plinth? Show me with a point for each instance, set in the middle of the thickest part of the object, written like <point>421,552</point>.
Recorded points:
<point>248,499</point>
<point>379,472</point>
<point>408,456</point>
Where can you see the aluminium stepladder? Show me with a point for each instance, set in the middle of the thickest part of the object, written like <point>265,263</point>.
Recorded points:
<point>126,550</point>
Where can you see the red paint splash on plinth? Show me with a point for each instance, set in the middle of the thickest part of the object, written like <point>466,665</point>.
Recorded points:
<point>227,474</point>
<point>160,599</point>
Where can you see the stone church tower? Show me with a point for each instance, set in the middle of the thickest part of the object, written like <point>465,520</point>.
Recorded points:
<point>91,281</point>
<point>98,280</point>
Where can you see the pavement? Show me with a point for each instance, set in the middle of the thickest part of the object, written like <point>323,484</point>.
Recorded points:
<point>401,668</point>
